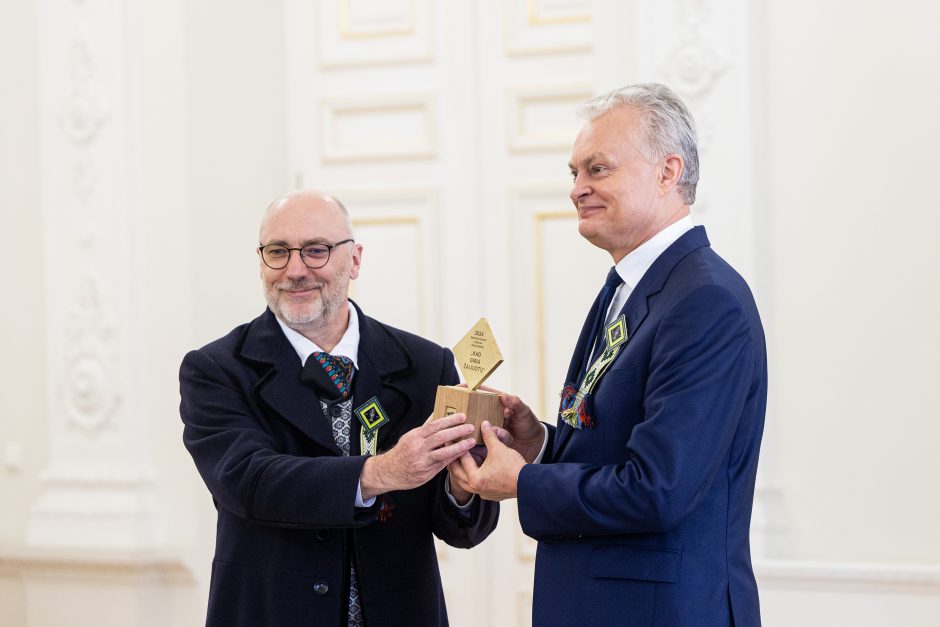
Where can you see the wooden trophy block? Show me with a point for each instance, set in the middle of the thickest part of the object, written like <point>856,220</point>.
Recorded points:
<point>478,406</point>
<point>477,356</point>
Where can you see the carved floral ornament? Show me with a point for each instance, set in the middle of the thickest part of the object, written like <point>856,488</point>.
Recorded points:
<point>88,383</point>
<point>694,64</point>
<point>83,114</point>
<point>85,111</point>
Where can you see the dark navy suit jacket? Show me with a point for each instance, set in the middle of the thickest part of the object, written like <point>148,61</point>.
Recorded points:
<point>643,519</point>
<point>287,525</point>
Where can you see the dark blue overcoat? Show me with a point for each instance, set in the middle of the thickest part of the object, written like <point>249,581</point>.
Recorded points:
<point>287,526</point>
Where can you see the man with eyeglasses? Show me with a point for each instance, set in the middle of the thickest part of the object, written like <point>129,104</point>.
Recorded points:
<point>308,426</point>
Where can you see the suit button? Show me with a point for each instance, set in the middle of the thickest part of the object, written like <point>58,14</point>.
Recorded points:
<point>336,411</point>
<point>321,588</point>
<point>323,534</point>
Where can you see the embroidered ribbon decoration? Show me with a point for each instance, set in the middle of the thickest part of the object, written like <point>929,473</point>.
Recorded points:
<point>372,416</point>
<point>575,402</point>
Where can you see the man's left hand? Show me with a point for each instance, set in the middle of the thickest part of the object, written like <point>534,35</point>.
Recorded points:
<point>497,477</point>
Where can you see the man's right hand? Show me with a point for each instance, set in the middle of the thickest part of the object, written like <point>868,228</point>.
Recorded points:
<point>419,455</point>
<point>523,425</point>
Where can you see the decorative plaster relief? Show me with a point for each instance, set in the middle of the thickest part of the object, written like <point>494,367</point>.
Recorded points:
<point>694,63</point>
<point>88,383</point>
<point>85,111</point>
<point>83,114</point>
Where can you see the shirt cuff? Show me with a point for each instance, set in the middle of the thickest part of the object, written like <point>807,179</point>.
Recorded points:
<point>462,508</point>
<point>359,501</point>
<point>538,458</point>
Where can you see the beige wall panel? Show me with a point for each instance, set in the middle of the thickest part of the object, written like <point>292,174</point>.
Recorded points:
<point>374,32</point>
<point>391,288</point>
<point>544,118</point>
<point>377,128</point>
<point>399,282</point>
<point>550,303</point>
<point>547,26</point>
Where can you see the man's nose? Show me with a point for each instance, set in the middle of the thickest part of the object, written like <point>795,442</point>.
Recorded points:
<point>295,265</point>
<point>579,189</point>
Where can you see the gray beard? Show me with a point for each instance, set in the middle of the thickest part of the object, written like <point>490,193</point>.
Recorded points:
<point>314,317</point>
<point>318,315</point>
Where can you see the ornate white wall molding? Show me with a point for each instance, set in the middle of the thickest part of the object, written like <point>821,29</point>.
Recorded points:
<point>704,50</point>
<point>542,117</point>
<point>355,33</point>
<point>381,127</point>
<point>98,490</point>
<point>547,26</point>
<point>89,394</point>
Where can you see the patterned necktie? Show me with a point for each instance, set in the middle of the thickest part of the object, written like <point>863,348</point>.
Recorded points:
<point>331,377</point>
<point>604,298</point>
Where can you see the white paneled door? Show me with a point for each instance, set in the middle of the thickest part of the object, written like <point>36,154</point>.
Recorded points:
<point>445,127</point>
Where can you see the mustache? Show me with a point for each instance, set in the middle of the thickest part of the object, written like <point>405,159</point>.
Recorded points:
<point>297,285</point>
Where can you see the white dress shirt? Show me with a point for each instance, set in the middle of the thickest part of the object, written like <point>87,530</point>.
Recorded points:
<point>632,267</point>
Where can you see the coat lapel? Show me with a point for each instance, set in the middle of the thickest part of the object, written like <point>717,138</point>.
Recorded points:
<point>281,388</point>
<point>382,359</point>
<point>636,308</point>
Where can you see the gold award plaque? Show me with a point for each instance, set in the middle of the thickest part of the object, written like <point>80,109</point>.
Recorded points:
<point>477,356</point>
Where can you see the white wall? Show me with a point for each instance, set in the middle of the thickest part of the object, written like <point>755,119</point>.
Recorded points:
<point>851,130</point>
<point>22,420</point>
<point>198,107</point>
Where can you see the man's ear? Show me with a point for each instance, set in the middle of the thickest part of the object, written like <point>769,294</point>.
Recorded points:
<point>356,262</point>
<point>670,173</point>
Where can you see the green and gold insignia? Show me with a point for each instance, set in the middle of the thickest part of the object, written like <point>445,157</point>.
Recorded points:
<point>574,409</point>
<point>617,332</point>
<point>371,415</point>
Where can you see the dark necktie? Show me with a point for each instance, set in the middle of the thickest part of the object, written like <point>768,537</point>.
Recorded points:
<point>597,326</point>
<point>329,375</point>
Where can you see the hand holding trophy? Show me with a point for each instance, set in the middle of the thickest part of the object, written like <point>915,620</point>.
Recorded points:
<point>478,356</point>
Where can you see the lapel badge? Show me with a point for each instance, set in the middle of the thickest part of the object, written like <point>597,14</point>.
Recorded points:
<point>371,415</point>
<point>617,332</point>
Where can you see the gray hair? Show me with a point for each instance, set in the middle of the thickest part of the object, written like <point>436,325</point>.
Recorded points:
<point>667,125</point>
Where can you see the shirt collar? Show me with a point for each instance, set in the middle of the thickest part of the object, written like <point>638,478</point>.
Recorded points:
<point>632,267</point>
<point>348,345</point>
